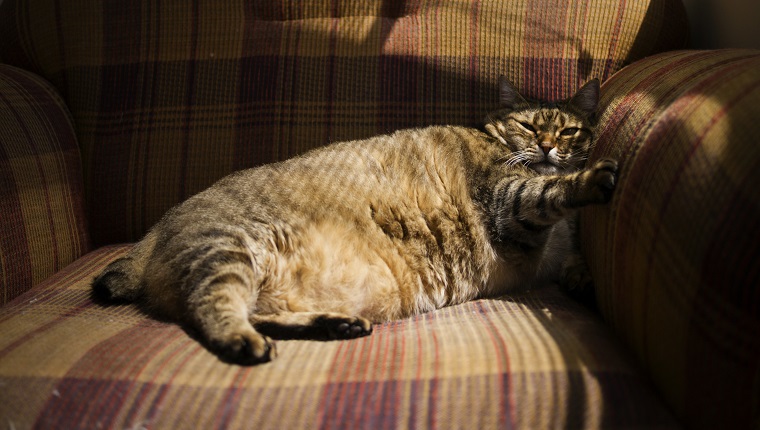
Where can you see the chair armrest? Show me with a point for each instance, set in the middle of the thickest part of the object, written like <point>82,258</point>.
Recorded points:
<point>675,255</point>
<point>42,226</point>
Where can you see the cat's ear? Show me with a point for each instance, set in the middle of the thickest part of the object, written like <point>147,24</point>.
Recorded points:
<point>586,100</point>
<point>509,98</point>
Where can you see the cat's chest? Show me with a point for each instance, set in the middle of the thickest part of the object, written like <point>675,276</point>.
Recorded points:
<point>513,268</point>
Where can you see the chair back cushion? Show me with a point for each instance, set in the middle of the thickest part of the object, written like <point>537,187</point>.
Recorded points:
<point>168,96</point>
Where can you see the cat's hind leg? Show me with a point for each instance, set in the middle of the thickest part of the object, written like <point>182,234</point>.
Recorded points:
<point>312,325</point>
<point>220,312</point>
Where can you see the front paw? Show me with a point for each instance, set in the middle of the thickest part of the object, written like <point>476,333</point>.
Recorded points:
<point>576,279</point>
<point>577,283</point>
<point>600,181</point>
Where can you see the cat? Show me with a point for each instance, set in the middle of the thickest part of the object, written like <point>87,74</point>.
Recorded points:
<point>325,244</point>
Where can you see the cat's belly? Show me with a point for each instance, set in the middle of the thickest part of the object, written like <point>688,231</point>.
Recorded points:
<point>332,269</point>
<point>503,277</point>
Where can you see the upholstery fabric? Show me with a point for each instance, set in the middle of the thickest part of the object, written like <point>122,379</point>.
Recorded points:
<point>169,96</point>
<point>43,227</point>
<point>676,258</point>
<point>536,360</point>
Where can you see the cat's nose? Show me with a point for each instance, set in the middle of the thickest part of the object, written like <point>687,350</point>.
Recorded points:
<point>546,147</point>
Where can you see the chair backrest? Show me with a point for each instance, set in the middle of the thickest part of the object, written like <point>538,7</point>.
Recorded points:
<point>169,96</point>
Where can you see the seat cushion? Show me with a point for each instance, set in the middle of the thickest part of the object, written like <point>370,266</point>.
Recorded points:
<point>675,255</point>
<point>170,96</point>
<point>535,360</point>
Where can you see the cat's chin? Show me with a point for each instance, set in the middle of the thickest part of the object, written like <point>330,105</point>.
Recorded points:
<point>547,169</point>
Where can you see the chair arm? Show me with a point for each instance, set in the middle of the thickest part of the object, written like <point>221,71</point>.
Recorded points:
<point>676,256</point>
<point>42,219</point>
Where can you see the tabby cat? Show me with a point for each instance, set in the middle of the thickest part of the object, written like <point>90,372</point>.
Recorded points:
<point>322,245</point>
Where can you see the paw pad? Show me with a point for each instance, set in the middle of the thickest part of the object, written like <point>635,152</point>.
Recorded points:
<point>346,327</point>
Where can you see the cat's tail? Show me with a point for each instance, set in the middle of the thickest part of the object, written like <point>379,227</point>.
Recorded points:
<point>122,280</point>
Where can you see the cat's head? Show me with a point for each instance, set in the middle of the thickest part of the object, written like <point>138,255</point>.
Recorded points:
<point>550,138</point>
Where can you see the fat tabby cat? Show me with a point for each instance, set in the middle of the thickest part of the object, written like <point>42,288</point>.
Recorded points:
<point>325,244</point>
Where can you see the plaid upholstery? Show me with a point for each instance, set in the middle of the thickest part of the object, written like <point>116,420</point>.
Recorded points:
<point>43,224</point>
<point>538,360</point>
<point>676,257</point>
<point>169,96</point>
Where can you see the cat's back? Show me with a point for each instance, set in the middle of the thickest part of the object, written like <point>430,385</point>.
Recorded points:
<point>347,176</point>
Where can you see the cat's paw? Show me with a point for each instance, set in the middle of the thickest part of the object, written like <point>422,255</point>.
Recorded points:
<point>600,180</point>
<point>575,280</point>
<point>246,347</point>
<point>344,327</point>
<point>577,283</point>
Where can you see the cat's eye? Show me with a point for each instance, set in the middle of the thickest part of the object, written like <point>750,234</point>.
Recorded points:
<point>528,127</point>
<point>570,131</point>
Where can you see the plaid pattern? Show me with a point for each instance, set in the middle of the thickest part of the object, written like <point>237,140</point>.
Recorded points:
<point>169,96</point>
<point>537,360</point>
<point>676,259</point>
<point>43,225</point>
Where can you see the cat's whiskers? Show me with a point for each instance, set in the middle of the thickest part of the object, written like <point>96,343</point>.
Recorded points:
<point>522,157</point>
<point>573,159</point>
<point>579,157</point>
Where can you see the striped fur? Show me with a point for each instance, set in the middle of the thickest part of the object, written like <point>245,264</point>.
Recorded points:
<point>324,244</point>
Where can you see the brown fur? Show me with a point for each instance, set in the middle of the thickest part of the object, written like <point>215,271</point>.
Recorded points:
<point>322,245</point>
